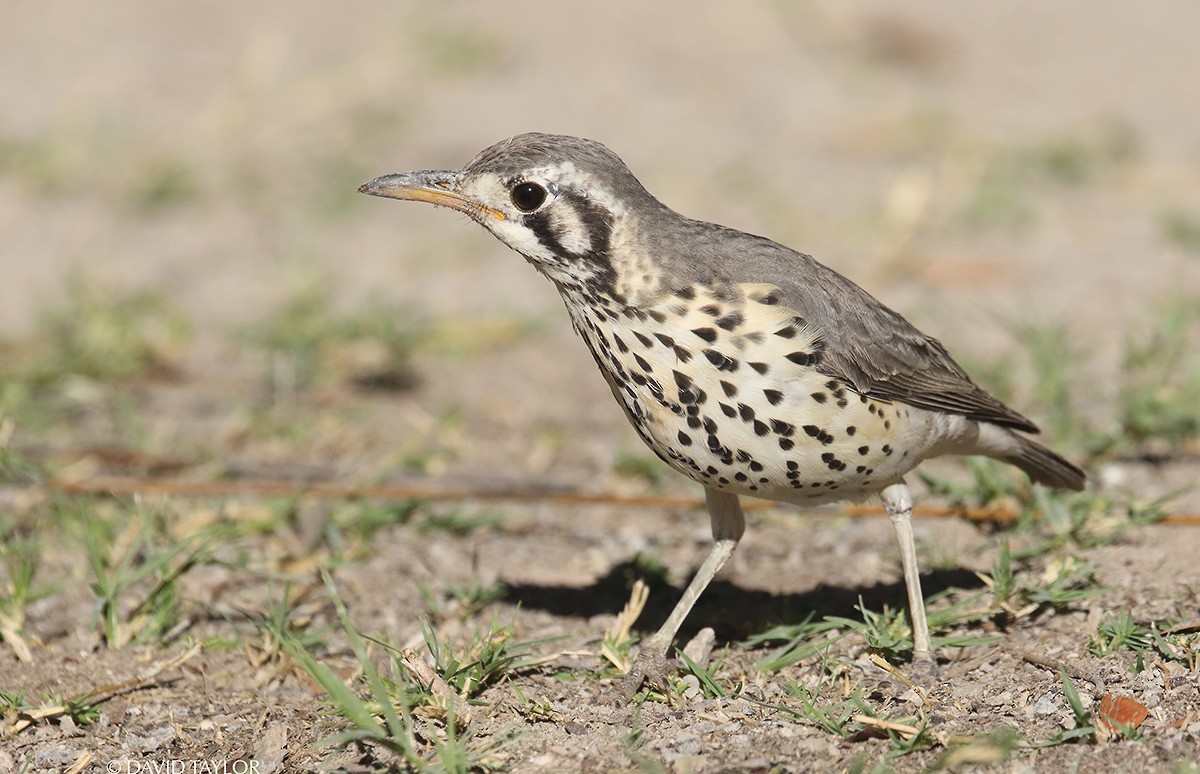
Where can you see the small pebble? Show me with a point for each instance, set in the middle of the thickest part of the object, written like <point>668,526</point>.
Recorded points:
<point>688,744</point>
<point>1047,705</point>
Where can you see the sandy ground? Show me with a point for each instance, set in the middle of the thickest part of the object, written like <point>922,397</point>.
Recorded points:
<point>974,165</point>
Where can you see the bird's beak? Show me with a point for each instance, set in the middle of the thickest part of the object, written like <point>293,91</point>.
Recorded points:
<point>433,186</point>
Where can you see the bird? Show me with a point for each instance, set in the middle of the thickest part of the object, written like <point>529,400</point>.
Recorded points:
<point>746,366</point>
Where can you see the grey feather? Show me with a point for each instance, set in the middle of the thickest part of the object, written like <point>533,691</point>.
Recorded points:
<point>867,345</point>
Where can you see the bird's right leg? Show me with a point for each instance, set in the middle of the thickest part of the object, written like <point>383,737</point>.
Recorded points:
<point>728,524</point>
<point>897,501</point>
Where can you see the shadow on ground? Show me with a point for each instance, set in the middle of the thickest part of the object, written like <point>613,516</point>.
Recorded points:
<point>735,613</point>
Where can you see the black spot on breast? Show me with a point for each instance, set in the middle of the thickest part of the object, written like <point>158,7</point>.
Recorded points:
<point>832,462</point>
<point>803,358</point>
<point>743,455</point>
<point>864,450</point>
<point>693,421</point>
<point>820,397</point>
<point>851,430</point>
<point>760,428</point>
<point>710,426</point>
<point>683,354</point>
<point>684,438</point>
<point>761,368</point>
<point>714,443</point>
<point>786,332</point>
<point>756,467</point>
<point>688,292</point>
<point>816,432</point>
<point>745,412</point>
<point>708,334</point>
<point>730,390</point>
<point>712,310</point>
<point>621,345</point>
<point>727,410</point>
<point>887,450</point>
<point>781,427</point>
<point>657,316</point>
<point>682,381</point>
<point>646,340</point>
<point>641,361</point>
<point>774,397</point>
<point>721,361</point>
<point>730,321</point>
<point>770,299</point>
<point>666,340</point>
<point>793,465</point>
<point>739,476</point>
<point>655,387</point>
<point>638,378</point>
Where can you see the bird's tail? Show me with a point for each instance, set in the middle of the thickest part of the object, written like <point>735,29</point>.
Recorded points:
<point>1046,467</point>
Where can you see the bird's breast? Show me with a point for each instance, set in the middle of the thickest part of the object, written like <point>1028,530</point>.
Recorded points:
<point>725,386</point>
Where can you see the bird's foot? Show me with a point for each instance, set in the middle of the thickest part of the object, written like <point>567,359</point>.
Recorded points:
<point>650,669</point>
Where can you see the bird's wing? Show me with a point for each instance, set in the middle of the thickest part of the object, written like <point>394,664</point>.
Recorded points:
<point>866,344</point>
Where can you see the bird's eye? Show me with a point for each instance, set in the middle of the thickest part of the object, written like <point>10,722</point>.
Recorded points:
<point>528,196</point>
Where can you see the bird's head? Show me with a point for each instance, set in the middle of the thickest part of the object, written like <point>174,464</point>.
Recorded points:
<point>562,202</point>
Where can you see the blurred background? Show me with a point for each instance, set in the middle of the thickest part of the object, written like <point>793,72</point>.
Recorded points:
<point>177,181</point>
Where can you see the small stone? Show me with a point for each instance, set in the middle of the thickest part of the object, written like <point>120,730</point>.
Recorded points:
<point>151,741</point>
<point>700,648</point>
<point>58,755</point>
<point>691,689</point>
<point>1002,699</point>
<point>1046,705</point>
<point>688,744</point>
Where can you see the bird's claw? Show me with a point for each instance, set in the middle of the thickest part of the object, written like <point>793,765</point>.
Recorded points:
<point>650,669</point>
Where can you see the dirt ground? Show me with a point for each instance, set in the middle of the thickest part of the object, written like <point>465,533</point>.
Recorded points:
<point>977,166</point>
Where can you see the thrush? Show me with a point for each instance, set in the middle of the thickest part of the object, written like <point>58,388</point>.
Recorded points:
<point>745,365</point>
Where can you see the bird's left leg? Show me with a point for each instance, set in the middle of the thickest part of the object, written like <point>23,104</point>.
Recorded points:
<point>897,501</point>
<point>728,524</point>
